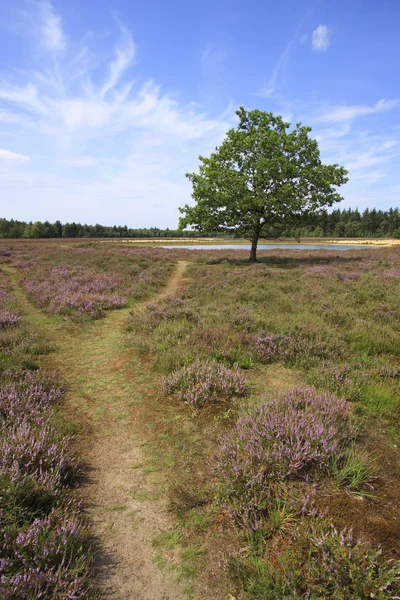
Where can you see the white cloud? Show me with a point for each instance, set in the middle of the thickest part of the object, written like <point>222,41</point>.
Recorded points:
<point>109,149</point>
<point>370,177</point>
<point>51,32</point>
<point>83,112</point>
<point>124,54</point>
<point>25,96</point>
<point>389,144</point>
<point>361,160</point>
<point>346,113</point>
<point>320,38</point>
<point>280,66</point>
<point>13,156</point>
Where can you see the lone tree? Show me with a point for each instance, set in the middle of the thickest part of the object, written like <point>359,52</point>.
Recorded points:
<point>263,179</point>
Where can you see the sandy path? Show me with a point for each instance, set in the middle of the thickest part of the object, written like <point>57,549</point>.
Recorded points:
<point>110,397</point>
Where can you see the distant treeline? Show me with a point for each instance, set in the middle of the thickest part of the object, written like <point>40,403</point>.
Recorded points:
<point>20,229</point>
<point>351,223</point>
<point>338,223</point>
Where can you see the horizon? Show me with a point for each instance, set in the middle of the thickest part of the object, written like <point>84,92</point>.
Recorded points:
<point>103,112</point>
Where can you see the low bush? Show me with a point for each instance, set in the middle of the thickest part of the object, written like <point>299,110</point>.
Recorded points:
<point>320,562</point>
<point>291,437</point>
<point>206,382</point>
<point>45,559</point>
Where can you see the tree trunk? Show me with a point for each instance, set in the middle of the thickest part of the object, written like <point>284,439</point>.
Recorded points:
<point>253,251</point>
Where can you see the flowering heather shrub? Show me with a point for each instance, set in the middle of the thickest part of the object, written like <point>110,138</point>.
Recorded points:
<point>323,562</point>
<point>32,450</point>
<point>339,566</point>
<point>269,347</point>
<point>388,372</point>
<point>28,398</point>
<point>22,341</point>
<point>76,291</point>
<point>220,343</point>
<point>9,318</point>
<point>292,437</point>
<point>307,345</point>
<point>169,309</point>
<point>45,559</point>
<point>349,276</point>
<point>206,382</point>
<point>303,346</point>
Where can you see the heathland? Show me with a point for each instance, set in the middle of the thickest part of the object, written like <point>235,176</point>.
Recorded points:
<point>184,424</point>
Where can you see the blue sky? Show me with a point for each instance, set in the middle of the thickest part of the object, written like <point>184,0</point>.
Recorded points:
<point>104,106</point>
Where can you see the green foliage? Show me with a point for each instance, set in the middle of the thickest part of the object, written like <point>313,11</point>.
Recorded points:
<point>355,473</point>
<point>261,180</point>
<point>380,400</point>
<point>321,562</point>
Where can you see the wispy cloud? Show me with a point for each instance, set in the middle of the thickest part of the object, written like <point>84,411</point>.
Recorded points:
<point>347,113</point>
<point>13,156</point>
<point>280,66</point>
<point>77,131</point>
<point>124,54</point>
<point>369,177</point>
<point>52,35</point>
<point>100,136</point>
<point>320,40</point>
<point>25,96</point>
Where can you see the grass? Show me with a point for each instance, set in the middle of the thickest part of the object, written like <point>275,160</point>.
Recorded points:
<point>356,474</point>
<point>340,318</point>
<point>167,540</point>
<point>329,320</point>
<point>380,400</point>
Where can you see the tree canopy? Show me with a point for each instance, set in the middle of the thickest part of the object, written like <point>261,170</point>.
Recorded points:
<point>263,178</point>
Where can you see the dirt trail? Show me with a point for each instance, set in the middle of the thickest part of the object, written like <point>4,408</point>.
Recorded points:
<point>110,396</point>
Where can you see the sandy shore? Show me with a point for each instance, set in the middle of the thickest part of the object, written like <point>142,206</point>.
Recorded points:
<point>372,242</point>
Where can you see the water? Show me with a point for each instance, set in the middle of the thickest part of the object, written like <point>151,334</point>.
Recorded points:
<point>270,246</point>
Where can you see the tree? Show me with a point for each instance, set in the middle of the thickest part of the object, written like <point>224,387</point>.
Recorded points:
<point>264,178</point>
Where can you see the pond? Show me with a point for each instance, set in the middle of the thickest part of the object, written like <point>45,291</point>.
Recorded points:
<point>271,246</point>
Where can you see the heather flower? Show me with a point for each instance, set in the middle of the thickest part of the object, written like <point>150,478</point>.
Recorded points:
<point>32,450</point>
<point>45,559</point>
<point>269,347</point>
<point>291,437</point>
<point>9,318</point>
<point>206,382</point>
<point>75,291</point>
<point>337,561</point>
<point>323,562</point>
<point>27,399</point>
